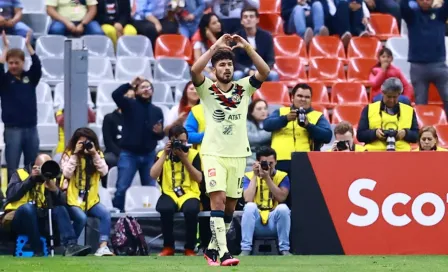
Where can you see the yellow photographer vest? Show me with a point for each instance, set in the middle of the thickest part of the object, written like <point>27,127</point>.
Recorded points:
<point>438,149</point>
<point>198,113</point>
<point>263,197</point>
<point>378,120</point>
<point>181,178</point>
<point>36,195</point>
<point>293,137</point>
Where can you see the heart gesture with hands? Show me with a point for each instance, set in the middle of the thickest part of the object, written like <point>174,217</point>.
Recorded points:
<point>226,39</point>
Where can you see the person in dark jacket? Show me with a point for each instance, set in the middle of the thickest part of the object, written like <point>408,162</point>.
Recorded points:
<point>112,127</point>
<point>262,42</point>
<point>19,106</point>
<point>426,33</point>
<point>142,128</point>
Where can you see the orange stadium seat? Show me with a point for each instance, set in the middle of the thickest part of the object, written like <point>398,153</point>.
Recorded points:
<point>326,47</point>
<point>290,46</point>
<point>274,93</point>
<point>328,71</point>
<point>270,6</point>
<point>291,70</point>
<point>433,95</point>
<point>349,113</point>
<point>430,115</point>
<point>320,94</point>
<point>364,47</point>
<point>323,110</point>
<point>349,93</point>
<point>272,23</point>
<point>173,46</point>
<point>442,133</point>
<point>359,70</point>
<point>385,26</point>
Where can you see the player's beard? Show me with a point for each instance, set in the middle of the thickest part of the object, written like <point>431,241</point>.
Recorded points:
<point>224,79</point>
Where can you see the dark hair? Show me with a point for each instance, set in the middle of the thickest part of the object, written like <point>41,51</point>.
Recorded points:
<point>301,86</point>
<point>223,54</point>
<point>386,51</point>
<point>343,127</point>
<point>15,53</point>
<point>251,108</point>
<point>91,136</point>
<point>203,24</point>
<point>430,129</point>
<point>251,9</point>
<point>184,100</point>
<point>150,84</point>
<point>266,151</point>
<point>177,130</point>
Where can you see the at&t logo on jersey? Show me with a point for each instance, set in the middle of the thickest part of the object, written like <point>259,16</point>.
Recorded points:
<point>219,116</point>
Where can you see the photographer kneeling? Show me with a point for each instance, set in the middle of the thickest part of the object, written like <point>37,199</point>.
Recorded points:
<point>344,141</point>
<point>82,168</point>
<point>178,170</point>
<point>388,124</point>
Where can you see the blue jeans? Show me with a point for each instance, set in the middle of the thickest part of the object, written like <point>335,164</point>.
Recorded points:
<point>18,140</point>
<point>346,20</point>
<point>298,21</point>
<point>279,224</point>
<point>128,164</point>
<point>25,222</point>
<point>187,29</point>
<point>19,29</point>
<point>273,75</point>
<point>58,28</point>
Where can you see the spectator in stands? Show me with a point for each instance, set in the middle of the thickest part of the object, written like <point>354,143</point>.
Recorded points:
<point>178,113</point>
<point>195,126</point>
<point>344,139</point>
<point>154,17</point>
<point>298,14</point>
<point>75,17</point>
<point>257,113</point>
<point>428,140</point>
<point>19,106</point>
<point>229,11</point>
<point>11,18</point>
<point>82,166</point>
<point>260,40</point>
<point>384,70</point>
<point>114,16</point>
<point>178,170</point>
<point>26,206</point>
<point>427,53</point>
<point>60,121</point>
<point>289,135</point>
<point>142,128</point>
<point>189,17</point>
<point>388,114</point>
<point>209,32</point>
<point>112,127</point>
<point>391,7</point>
<point>265,189</point>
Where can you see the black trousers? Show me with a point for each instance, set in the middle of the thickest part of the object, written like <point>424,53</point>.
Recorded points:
<point>148,29</point>
<point>167,207</point>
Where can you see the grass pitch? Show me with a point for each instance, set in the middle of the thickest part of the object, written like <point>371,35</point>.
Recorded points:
<point>252,263</point>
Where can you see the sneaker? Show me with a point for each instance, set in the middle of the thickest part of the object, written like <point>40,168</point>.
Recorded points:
<point>167,251</point>
<point>211,255</point>
<point>76,250</point>
<point>285,253</point>
<point>228,260</point>
<point>245,253</point>
<point>189,252</point>
<point>103,251</point>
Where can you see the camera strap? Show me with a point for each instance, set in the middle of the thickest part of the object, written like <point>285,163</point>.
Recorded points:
<point>173,174</point>
<point>261,190</point>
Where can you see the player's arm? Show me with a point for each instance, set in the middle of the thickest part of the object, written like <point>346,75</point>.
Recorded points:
<point>262,67</point>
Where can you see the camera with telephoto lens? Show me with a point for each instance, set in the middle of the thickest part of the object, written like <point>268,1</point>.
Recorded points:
<point>177,144</point>
<point>390,135</point>
<point>264,165</point>
<point>87,145</point>
<point>49,170</point>
<point>342,145</point>
<point>301,116</point>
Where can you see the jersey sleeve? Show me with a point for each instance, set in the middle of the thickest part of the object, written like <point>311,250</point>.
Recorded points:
<point>245,83</point>
<point>202,89</point>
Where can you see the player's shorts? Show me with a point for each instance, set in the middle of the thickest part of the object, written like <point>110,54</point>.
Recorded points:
<point>224,174</point>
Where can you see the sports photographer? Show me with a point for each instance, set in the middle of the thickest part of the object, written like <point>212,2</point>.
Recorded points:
<point>297,128</point>
<point>265,188</point>
<point>344,142</point>
<point>29,195</point>
<point>388,124</point>
<point>178,170</point>
<point>83,165</point>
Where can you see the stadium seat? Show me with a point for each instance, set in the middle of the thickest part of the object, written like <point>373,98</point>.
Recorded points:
<point>106,199</point>
<point>327,71</point>
<point>112,177</point>
<point>102,110</point>
<point>59,97</point>
<point>141,198</point>
<point>326,47</point>
<point>50,46</point>
<point>404,66</point>
<point>33,6</point>
<point>134,46</point>
<point>162,94</point>
<point>399,47</point>
<point>290,70</point>
<point>290,46</point>
<point>179,88</point>
<point>320,94</point>
<point>100,69</point>
<point>430,115</point>
<point>39,23</point>
<point>322,109</point>
<point>104,92</point>
<point>43,93</point>
<point>270,6</point>
<point>48,136</point>
<point>15,42</point>
<point>173,46</point>
<point>442,133</point>
<point>45,113</point>
<point>52,70</point>
<point>273,93</point>
<point>98,129</point>
<point>171,69</point>
<point>349,93</point>
<point>359,70</point>
<point>349,113</point>
<point>272,23</point>
<point>433,95</point>
<point>99,46</point>
<point>364,47</point>
<point>384,25</point>
<point>127,68</point>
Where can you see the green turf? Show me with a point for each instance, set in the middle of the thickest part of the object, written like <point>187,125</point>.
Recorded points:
<point>253,263</point>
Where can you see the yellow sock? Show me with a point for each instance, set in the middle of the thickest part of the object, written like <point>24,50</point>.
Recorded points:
<point>218,229</point>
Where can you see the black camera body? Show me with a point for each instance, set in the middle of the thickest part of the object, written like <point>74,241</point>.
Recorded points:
<point>390,133</point>
<point>342,145</point>
<point>87,145</point>
<point>177,144</point>
<point>264,165</point>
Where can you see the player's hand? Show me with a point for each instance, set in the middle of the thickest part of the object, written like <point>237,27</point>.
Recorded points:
<point>136,81</point>
<point>223,42</point>
<point>240,42</point>
<point>292,115</point>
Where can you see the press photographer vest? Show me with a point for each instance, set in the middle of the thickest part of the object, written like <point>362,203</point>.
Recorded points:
<point>36,195</point>
<point>78,182</point>
<point>376,120</point>
<point>437,149</point>
<point>293,137</point>
<point>198,113</point>
<point>263,197</point>
<point>181,178</point>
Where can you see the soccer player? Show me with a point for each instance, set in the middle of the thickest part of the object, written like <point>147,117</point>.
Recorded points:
<point>225,146</point>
